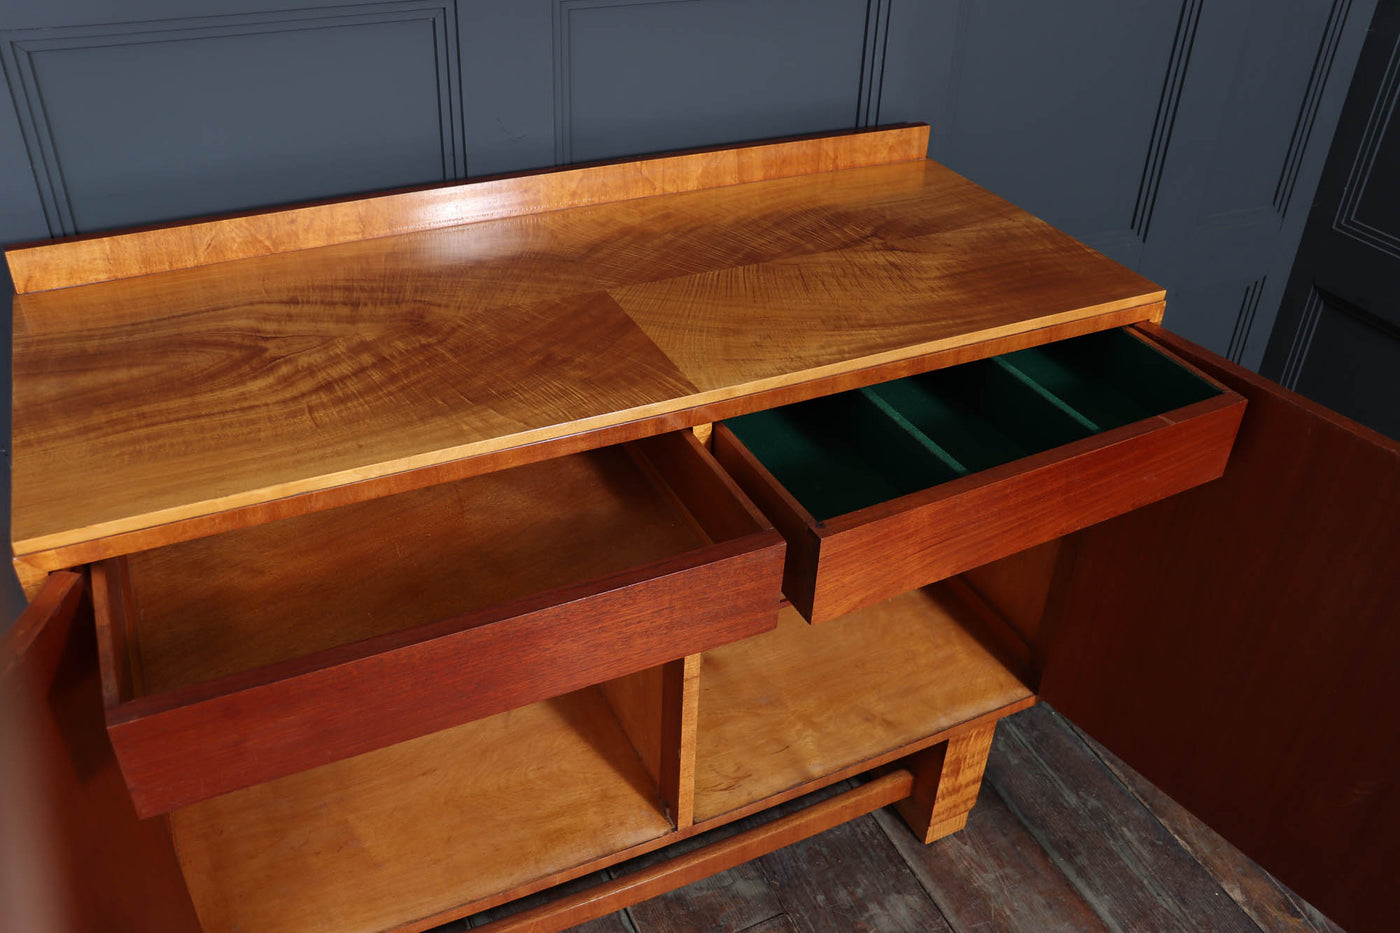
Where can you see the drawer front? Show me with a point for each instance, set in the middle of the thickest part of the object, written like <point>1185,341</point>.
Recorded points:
<point>197,740</point>
<point>896,486</point>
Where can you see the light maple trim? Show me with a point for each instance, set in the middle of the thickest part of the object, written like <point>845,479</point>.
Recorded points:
<point>98,540</point>
<point>84,260</point>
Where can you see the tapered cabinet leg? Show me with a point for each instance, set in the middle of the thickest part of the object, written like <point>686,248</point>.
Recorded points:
<point>947,778</point>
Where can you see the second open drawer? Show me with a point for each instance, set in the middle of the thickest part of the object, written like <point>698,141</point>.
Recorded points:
<point>894,486</point>
<point>236,659</point>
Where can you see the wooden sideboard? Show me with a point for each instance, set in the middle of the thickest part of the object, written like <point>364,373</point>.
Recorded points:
<point>394,558</point>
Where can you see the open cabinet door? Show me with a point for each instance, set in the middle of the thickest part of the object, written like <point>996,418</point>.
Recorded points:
<point>1239,645</point>
<point>73,855</point>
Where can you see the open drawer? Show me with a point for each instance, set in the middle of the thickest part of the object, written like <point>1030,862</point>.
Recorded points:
<point>891,487</point>
<point>239,658</point>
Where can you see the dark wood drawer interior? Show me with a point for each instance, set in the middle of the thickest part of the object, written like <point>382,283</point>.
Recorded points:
<point>980,459</point>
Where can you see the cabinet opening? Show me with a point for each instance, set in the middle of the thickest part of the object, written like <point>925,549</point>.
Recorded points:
<point>798,704</point>
<point>428,827</point>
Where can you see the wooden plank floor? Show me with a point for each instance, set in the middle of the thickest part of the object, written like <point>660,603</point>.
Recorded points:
<point>1064,838</point>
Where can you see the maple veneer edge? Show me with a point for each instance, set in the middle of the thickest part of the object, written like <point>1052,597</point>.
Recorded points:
<point>70,549</point>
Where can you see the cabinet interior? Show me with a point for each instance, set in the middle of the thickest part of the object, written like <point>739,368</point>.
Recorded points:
<point>792,706</point>
<point>421,827</point>
<point>845,452</point>
<point>463,818</point>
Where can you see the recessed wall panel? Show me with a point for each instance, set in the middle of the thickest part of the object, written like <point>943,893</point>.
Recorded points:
<point>644,77</point>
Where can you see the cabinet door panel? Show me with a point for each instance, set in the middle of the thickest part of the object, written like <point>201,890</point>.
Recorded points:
<point>1237,644</point>
<point>82,860</point>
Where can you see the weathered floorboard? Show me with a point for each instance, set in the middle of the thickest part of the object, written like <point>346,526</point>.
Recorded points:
<point>612,923</point>
<point>1128,867</point>
<point>778,924</point>
<point>739,899</point>
<point>1270,904</point>
<point>993,875</point>
<point>850,878</point>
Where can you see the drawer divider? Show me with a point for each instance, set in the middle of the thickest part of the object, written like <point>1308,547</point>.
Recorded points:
<point>1015,372</point>
<point>947,459</point>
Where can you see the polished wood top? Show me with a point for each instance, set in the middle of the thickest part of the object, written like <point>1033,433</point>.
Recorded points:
<point>164,406</point>
<point>82,260</point>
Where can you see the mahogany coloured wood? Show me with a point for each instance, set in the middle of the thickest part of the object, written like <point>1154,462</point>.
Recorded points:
<point>784,708</point>
<point>406,560</point>
<point>375,359</point>
<point>75,856</point>
<point>1236,645</point>
<point>198,739</point>
<point>84,259</point>
<point>1019,586</point>
<point>859,558</point>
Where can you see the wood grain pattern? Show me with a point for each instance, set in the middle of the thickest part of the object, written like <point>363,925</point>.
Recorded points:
<point>31,578</point>
<point>367,843</point>
<point>994,875</point>
<point>398,562</point>
<point>947,779</point>
<point>1019,586</point>
<point>502,591</point>
<point>81,260</point>
<point>372,360</point>
<point>862,557</point>
<point>674,873</point>
<point>1265,603</point>
<point>75,856</point>
<point>680,718</point>
<point>784,708</point>
<point>1269,904</point>
<point>656,707</point>
<point>305,712</point>
<point>850,878</point>
<point>114,611</point>
<point>204,524</point>
<point>902,291</point>
<point>636,701</point>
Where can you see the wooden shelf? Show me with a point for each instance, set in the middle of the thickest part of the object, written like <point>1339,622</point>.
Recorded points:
<point>791,706</point>
<point>423,827</point>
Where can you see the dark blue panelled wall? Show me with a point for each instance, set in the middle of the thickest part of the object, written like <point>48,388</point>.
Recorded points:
<point>1181,137</point>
